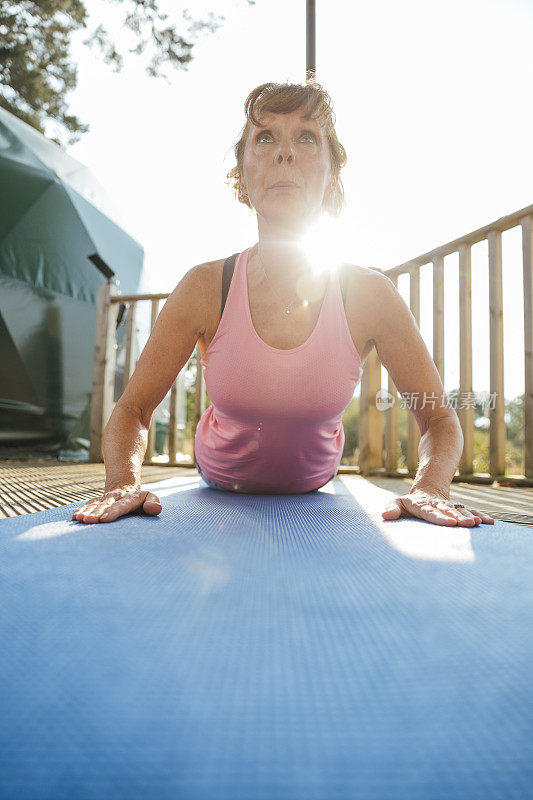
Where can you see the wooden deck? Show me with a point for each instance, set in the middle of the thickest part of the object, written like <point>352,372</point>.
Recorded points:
<point>27,486</point>
<point>33,486</point>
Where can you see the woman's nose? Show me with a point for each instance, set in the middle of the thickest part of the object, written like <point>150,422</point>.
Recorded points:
<point>284,153</point>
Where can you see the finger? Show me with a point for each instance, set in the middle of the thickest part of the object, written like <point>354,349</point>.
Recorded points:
<point>86,509</point>
<point>417,508</point>
<point>471,515</point>
<point>465,518</point>
<point>96,513</point>
<point>152,505</point>
<point>108,506</point>
<point>430,510</point>
<point>484,517</point>
<point>122,506</point>
<point>393,510</point>
<point>430,513</point>
<point>89,504</point>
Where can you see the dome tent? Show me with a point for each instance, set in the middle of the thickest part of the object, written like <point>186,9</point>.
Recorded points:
<point>58,242</point>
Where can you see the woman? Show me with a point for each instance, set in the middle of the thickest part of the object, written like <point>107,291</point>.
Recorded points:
<point>282,361</point>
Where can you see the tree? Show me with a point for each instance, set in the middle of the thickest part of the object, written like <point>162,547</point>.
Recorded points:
<point>36,71</point>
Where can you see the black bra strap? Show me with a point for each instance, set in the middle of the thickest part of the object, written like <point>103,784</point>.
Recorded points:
<point>227,275</point>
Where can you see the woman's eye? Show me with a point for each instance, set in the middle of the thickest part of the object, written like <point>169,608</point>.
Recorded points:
<point>266,136</point>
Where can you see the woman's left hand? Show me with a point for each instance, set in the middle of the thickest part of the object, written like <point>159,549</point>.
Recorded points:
<point>434,507</point>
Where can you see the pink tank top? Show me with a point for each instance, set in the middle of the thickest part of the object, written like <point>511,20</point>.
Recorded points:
<point>275,420</point>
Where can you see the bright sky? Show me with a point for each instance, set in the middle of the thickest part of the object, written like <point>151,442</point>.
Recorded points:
<point>433,106</point>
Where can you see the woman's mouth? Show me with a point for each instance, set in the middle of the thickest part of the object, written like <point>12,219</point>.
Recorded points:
<point>285,185</point>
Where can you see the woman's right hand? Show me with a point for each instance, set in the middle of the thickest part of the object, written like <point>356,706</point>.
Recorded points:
<point>117,502</point>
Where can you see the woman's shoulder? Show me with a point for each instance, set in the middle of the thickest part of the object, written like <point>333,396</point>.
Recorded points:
<point>362,272</point>
<point>364,280</point>
<point>369,292</point>
<point>207,276</point>
<point>207,270</point>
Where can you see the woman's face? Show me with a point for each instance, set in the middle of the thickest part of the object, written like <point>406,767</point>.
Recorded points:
<point>287,168</point>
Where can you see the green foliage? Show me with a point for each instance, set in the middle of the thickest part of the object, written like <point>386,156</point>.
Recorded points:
<point>192,366</point>
<point>514,423</point>
<point>514,445</point>
<point>36,70</point>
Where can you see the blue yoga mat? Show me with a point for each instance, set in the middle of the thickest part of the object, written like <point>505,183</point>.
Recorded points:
<point>255,647</point>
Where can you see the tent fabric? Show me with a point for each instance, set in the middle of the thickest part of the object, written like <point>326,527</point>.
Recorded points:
<point>50,245</point>
<point>54,336</point>
<point>255,647</point>
<point>24,185</point>
<point>15,382</point>
<point>23,144</point>
<point>54,215</point>
<point>34,252</point>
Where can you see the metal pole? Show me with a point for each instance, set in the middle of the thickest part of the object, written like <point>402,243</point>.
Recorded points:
<point>310,70</point>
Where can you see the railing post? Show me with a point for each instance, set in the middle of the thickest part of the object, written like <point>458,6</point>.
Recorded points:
<point>413,432</point>
<point>103,368</point>
<point>370,418</point>
<point>466,412</point>
<point>129,363</point>
<point>391,420</point>
<point>438,314</point>
<point>151,431</point>
<point>178,418</point>
<point>527,255</point>
<point>497,409</point>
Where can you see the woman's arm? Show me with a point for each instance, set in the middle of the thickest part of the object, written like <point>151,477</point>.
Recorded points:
<point>179,325</point>
<point>439,452</point>
<point>402,350</point>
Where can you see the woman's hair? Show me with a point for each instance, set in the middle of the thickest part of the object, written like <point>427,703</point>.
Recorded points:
<point>284,98</point>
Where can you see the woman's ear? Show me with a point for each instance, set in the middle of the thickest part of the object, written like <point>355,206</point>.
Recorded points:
<point>243,192</point>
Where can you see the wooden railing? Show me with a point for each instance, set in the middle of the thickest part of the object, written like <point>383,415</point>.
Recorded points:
<point>104,367</point>
<point>378,431</point>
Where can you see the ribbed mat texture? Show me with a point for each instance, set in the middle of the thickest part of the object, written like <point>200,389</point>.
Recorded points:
<point>252,647</point>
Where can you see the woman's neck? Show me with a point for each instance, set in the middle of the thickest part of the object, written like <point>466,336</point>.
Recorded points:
<point>279,252</point>
<point>281,258</point>
<point>283,267</point>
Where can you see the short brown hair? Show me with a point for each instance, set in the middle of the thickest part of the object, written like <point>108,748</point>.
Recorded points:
<point>284,98</point>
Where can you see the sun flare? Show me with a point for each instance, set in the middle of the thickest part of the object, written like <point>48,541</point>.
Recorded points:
<point>323,245</point>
